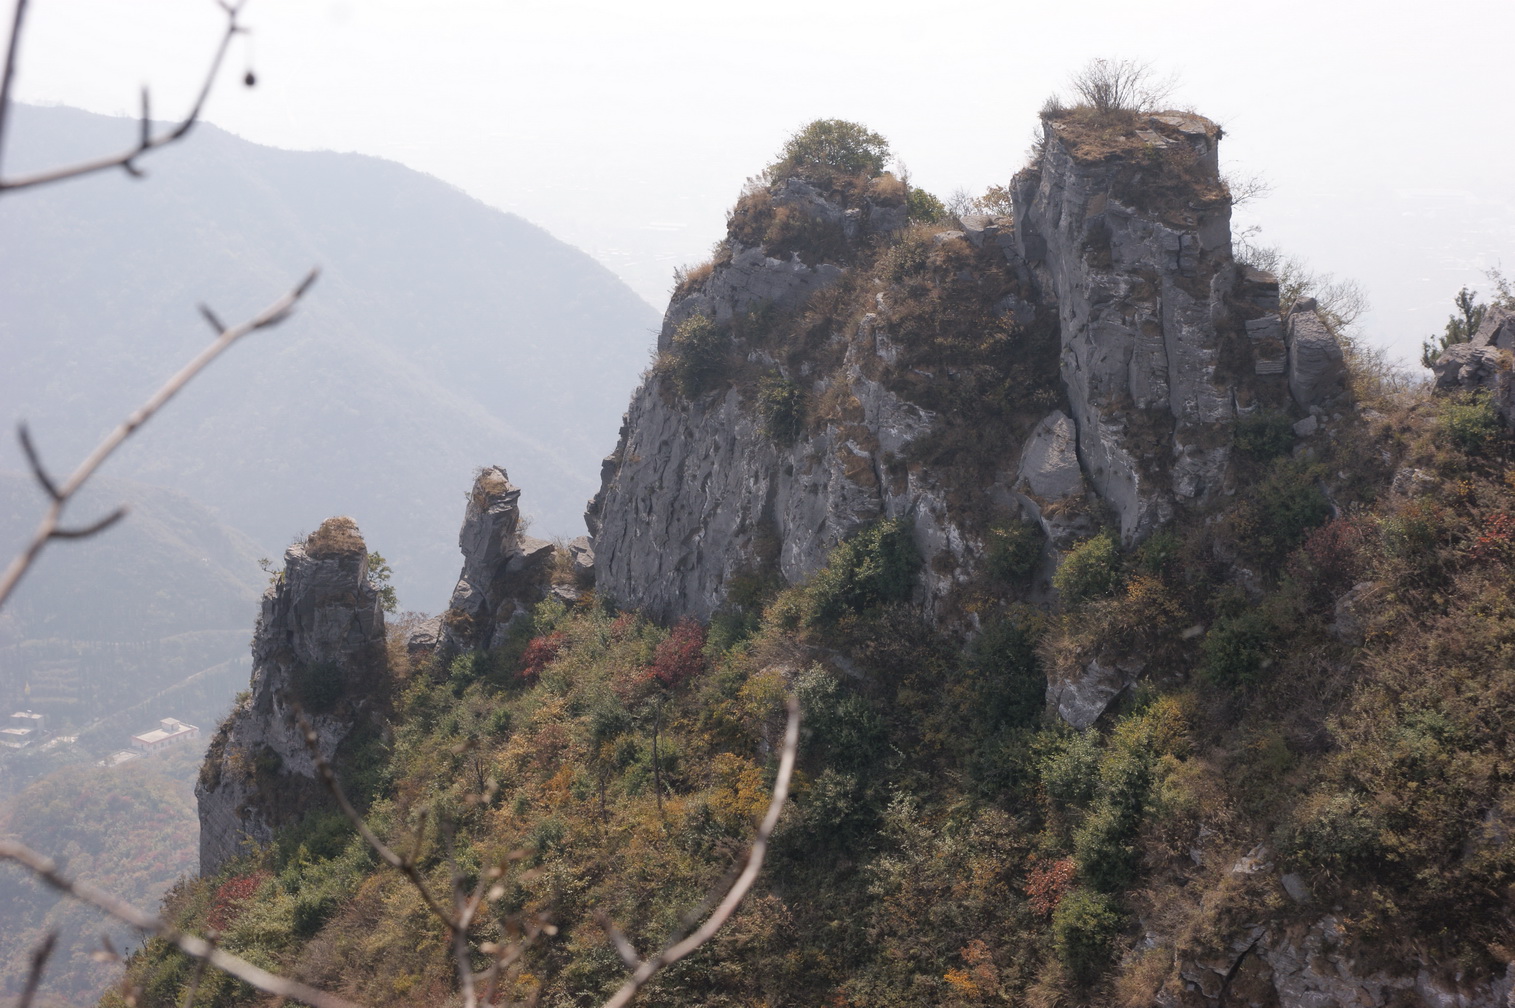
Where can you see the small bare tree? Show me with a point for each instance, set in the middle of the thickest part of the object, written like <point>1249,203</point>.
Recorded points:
<point>1121,85</point>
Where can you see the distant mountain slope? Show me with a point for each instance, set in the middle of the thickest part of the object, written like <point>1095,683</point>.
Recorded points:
<point>443,335</point>
<point>101,624</point>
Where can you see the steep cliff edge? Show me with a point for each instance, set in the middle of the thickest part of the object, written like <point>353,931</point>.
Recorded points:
<point>852,366</point>
<point>318,650</point>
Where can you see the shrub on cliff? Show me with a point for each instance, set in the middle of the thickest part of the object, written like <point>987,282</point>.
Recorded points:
<point>781,409</point>
<point>829,147</point>
<point>873,568</point>
<point>699,351</point>
<point>1090,570</point>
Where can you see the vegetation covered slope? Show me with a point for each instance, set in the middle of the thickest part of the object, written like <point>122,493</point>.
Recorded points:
<point>1300,794</point>
<point>1338,717</point>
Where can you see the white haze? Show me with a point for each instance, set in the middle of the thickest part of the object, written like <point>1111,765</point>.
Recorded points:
<point>628,128</point>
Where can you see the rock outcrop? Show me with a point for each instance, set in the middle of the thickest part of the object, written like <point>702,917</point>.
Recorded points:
<point>1119,250</point>
<point>318,651</point>
<point>1128,236</point>
<point>504,571</point>
<point>1483,363</point>
<point>1312,963</point>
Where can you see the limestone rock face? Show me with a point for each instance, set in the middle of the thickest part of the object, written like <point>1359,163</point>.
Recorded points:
<point>504,572</point>
<point>702,497</point>
<point>318,650</point>
<point>1119,247</point>
<point>1143,283</point>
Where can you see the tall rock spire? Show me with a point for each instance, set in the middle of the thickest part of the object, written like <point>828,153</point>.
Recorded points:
<point>318,651</point>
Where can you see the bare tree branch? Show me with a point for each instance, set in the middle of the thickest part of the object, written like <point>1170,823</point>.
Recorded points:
<point>50,526</point>
<point>146,141</point>
<point>197,948</point>
<point>673,953</point>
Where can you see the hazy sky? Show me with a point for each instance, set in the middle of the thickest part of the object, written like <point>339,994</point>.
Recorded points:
<point>628,128</point>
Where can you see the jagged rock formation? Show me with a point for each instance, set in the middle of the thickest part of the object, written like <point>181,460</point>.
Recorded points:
<point>318,650</point>
<point>1483,363</point>
<point>1119,247</point>
<point>504,572</point>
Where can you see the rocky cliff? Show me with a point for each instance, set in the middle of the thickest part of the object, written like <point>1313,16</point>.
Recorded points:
<point>318,651</point>
<point>505,572</point>
<point>1081,361</point>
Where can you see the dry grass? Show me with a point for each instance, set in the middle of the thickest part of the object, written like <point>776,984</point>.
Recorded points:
<point>336,536</point>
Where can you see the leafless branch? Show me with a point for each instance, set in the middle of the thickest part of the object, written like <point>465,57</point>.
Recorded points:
<point>196,948</point>
<point>50,526</point>
<point>673,953</point>
<point>146,140</point>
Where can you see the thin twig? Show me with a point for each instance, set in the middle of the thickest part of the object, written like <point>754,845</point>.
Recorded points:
<point>196,948</point>
<point>8,73</point>
<point>673,953</point>
<point>50,525</point>
<point>146,141</point>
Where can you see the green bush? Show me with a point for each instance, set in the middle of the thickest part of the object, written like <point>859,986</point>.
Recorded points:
<point>1084,927</point>
<point>1264,435</point>
<point>1279,510</point>
<point>1013,551</point>
<point>924,208</point>
<point>1159,551</point>
<point>873,568</point>
<point>1237,648</point>
<point>1090,570</point>
<point>1469,422</point>
<point>698,355</point>
<point>828,147</point>
<point>781,409</point>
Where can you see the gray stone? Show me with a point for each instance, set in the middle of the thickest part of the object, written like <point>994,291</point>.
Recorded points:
<point>581,554</point>
<point>1138,292</point>
<point>1410,481</point>
<point>1348,614</point>
<point>423,640</point>
<point>1304,428</point>
<point>1296,887</point>
<point>1080,699</point>
<point>1317,370</point>
<point>1049,463</point>
<point>1497,329</point>
<point>1472,367</point>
